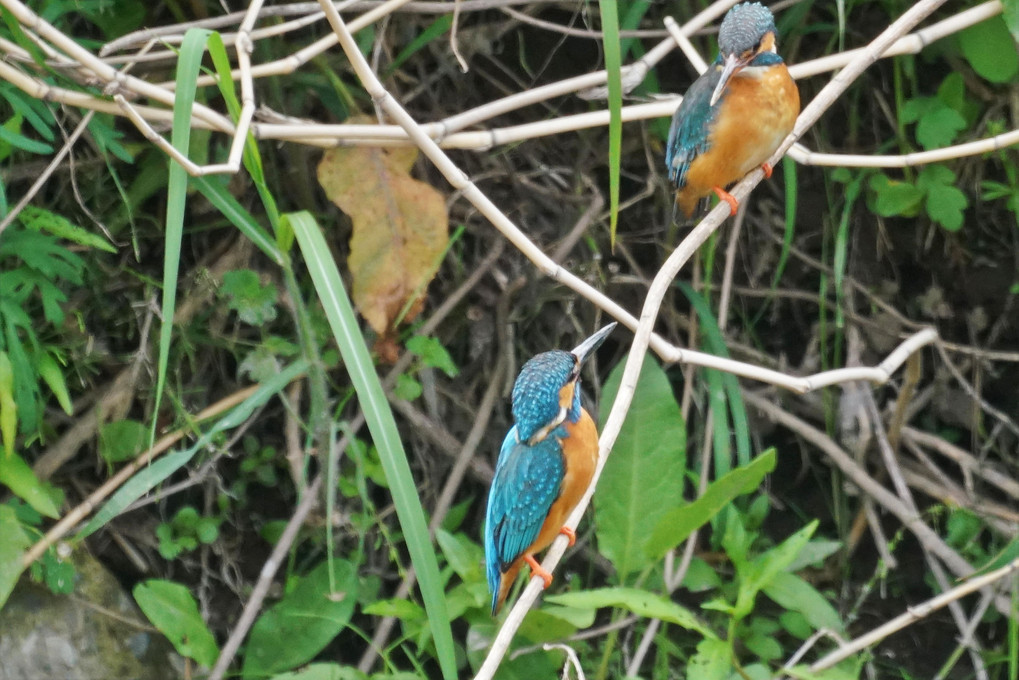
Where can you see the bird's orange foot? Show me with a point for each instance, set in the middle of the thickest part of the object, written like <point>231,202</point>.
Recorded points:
<point>570,534</point>
<point>537,570</point>
<point>767,170</point>
<point>724,195</point>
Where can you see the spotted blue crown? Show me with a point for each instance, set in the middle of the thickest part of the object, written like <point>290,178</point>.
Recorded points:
<point>743,28</point>
<point>536,391</point>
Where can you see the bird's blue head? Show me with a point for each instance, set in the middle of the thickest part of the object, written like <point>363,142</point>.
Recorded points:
<point>747,31</point>
<point>546,392</point>
<point>744,29</point>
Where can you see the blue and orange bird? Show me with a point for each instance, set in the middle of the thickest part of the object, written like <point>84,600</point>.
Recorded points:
<point>735,114</point>
<point>545,465</point>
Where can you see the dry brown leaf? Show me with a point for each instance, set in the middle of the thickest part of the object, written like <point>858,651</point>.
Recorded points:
<point>400,229</point>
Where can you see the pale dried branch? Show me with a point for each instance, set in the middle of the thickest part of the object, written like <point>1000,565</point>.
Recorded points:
<point>656,294</point>
<point>914,614</point>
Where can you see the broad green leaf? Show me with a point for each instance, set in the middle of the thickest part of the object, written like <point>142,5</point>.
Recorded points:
<point>244,293</point>
<point>18,476</point>
<point>713,660</point>
<point>578,617</point>
<point>636,601</point>
<point>122,440</point>
<point>676,525</point>
<point>1010,12</point>
<point>323,671</point>
<point>847,670</point>
<point>433,354</point>
<point>13,544</point>
<point>401,609</point>
<point>643,479</point>
<point>463,555</point>
<point>990,50</point>
<point>171,608</point>
<point>762,569</point>
<point>814,553</point>
<point>945,202</point>
<point>40,219</point>
<point>794,594</point>
<point>8,407</point>
<point>539,626</point>
<point>382,425</point>
<point>51,374</point>
<point>307,619</point>
<point>894,197</point>
<point>939,127</point>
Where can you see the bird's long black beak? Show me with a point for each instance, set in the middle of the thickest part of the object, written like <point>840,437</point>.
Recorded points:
<point>587,348</point>
<point>730,66</point>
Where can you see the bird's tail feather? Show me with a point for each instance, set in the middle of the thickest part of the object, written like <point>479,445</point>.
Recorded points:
<point>506,581</point>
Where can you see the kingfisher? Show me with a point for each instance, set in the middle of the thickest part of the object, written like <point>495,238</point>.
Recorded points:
<point>545,465</point>
<point>735,114</point>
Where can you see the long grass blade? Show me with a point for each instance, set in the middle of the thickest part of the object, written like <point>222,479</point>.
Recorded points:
<point>382,426</point>
<point>613,67</point>
<point>176,198</point>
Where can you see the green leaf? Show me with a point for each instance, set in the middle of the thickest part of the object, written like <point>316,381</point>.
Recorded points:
<point>8,407</point>
<point>18,476</point>
<point>39,219</point>
<point>122,440</point>
<point>946,207</point>
<point>215,190</point>
<point>171,608</point>
<point>713,660</point>
<point>401,609</point>
<point>814,553</point>
<point>188,64</point>
<point>945,202</point>
<point>636,601</point>
<point>433,354</point>
<point>894,197</point>
<point>915,109</point>
<point>10,133</point>
<point>676,525</point>
<point>13,544</point>
<point>794,594</point>
<point>609,11</point>
<point>323,671</point>
<point>307,619</point>
<point>1010,13</point>
<point>51,374</point>
<point>939,127</point>
<point>254,303</point>
<point>437,28</point>
<point>643,479</point>
<point>463,555</point>
<point>407,388</point>
<point>990,50</point>
<point>382,426</point>
<point>762,569</point>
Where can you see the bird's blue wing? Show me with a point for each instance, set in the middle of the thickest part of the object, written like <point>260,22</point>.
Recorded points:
<point>691,126</point>
<point>527,481</point>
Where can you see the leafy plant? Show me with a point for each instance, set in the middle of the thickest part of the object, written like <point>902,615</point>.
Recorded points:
<point>185,532</point>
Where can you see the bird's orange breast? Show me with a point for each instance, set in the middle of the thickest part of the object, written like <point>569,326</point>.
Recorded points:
<point>758,111</point>
<point>580,452</point>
